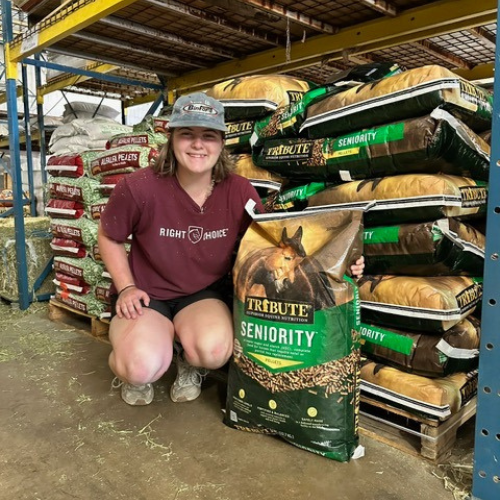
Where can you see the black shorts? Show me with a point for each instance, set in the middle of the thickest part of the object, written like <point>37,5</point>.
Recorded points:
<point>220,290</point>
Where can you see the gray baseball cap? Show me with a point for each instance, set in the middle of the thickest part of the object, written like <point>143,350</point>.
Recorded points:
<point>198,110</point>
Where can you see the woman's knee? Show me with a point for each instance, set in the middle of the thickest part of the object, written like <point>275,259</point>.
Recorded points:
<point>210,352</point>
<point>142,350</point>
<point>139,367</point>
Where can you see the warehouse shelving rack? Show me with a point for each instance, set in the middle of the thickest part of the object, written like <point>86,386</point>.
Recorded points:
<point>308,56</point>
<point>95,71</point>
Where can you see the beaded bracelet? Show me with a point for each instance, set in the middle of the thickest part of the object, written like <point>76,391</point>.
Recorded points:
<point>125,287</point>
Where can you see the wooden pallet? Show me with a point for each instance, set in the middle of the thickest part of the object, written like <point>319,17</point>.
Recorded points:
<point>86,323</point>
<point>413,434</point>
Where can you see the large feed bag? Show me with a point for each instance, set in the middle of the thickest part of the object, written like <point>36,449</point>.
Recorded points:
<point>296,353</point>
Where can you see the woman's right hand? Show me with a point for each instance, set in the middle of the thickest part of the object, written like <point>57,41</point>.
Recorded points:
<point>130,301</point>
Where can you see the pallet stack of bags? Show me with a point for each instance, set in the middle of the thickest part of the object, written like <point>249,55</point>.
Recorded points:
<point>71,194</point>
<point>77,190</point>
<point>124,154</point>
<point>247,100</point>
<point>405,148</point>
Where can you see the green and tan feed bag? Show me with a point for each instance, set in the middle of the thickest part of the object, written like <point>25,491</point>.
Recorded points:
<point>445,247</point>
<point>433,304</point>
<point>294,370</point>
<point>413,93</point>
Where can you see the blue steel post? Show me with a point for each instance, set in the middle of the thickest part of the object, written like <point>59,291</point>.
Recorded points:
<point>123,113</point>
<point>27,133</point>
<point>41,124</point>
<point>15,159</point>
<point>486,478</point>
<point>156,104</point>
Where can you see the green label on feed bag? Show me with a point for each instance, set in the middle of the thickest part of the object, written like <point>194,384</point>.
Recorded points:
<point>301,192</point>
<point>385,338</point>
<point>379,135</point>
<point>376,235</point>
<point>283,336</point>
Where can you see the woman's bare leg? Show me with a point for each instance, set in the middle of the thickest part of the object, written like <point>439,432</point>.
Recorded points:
<point>205,330</point>
<point>142,348</point>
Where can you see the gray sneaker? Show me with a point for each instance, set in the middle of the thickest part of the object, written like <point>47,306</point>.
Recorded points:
<point>134,395</point>
<point>187,385</point>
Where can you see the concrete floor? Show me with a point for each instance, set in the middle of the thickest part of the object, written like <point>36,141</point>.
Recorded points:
<point>65,434</point>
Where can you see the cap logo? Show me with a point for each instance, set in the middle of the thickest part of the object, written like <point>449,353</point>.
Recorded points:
<point>199,108</point>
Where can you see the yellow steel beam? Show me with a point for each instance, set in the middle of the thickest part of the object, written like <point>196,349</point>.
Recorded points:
<point>10,67</point>
<point>3,95</point>
<point>479,72</point>
<point>68,80</point>
<point>65,21</point>
<point>435,19</point>
<point>35,136</point>
<point>144,99</point>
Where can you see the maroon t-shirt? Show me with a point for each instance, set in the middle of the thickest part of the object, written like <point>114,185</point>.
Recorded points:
<point>177,248</point>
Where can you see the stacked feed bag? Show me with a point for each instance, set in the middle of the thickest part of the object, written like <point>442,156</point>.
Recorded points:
<point>85,127</point>
<point>71,194</point>
<point>152,132</point>
<point>246,100</point>
<point>435,398</point>
<point>76,279</point>
<point>286,121</point>
<point>412,93</point>
<point>109,166</point>
<point>69,190</point>
<point>125,154</point>
<point>261,179</point>
<point>417,310</point>
<point>38,257</point>
<point>407,149</point>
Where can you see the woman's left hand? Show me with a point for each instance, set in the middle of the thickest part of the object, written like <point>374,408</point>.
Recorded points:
<point>358,267</point>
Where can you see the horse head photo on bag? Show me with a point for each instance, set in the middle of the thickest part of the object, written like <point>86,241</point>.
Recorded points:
<point>271,271</point>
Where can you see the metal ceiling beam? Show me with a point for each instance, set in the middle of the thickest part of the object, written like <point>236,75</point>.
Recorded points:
<point>356,58</point>
<point>444,55</point>
<point>37,5</point>
<point>292,15</point>
<point>114,79</point>
<point>438,18</point>
<point>93,92</point>
<point>163,36</point>
<point>67,20</point>
<point>485,37</point>
<point>139,75</point>
<point>110,60</point>
<point>206,17</point>
<point>128,47</point>
<point>386,8</point>
<point>67,80</point>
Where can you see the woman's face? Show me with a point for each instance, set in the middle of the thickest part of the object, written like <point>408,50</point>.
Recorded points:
<point>197,149</point>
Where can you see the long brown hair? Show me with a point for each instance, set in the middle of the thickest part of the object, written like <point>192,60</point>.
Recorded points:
<point>166,162</point>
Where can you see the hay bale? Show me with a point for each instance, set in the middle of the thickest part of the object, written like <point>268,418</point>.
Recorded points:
<point>38,253</point>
